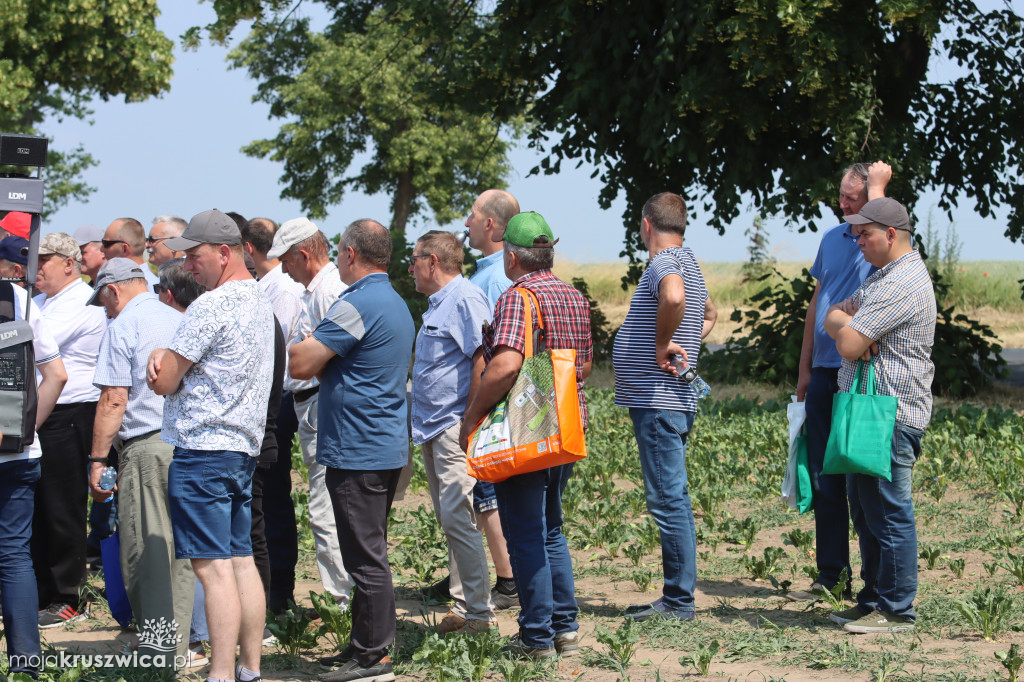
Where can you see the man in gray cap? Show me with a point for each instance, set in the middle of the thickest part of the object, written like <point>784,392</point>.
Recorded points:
<point>217,374</point>
<point>59,523</point>
<point>302,250</point>
<point>130,415</point>
<point>891,317</point>
<point>90,240</point>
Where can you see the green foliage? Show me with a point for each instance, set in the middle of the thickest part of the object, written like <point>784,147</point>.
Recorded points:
<point>1011,660</point>
<point>622,644</point>
<point>801,539</point>
<point>1014,565</point>
<point>759,262</point>
<point>700,660</point>
<point>459,657</point>
<point>293,628</point>
<point>600,331</point>
<point>930,555</point>
<point>988,610</point>
<point>956,566</point>
<point>763,567</point>
<point>336,622</point>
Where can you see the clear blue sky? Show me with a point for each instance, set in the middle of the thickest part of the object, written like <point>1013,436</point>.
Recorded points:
<point>180,154</point>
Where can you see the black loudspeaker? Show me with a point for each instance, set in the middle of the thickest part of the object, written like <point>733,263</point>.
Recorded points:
<point>22,150</point>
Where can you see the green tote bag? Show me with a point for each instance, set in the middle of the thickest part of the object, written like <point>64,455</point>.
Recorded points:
<point>862,426</point>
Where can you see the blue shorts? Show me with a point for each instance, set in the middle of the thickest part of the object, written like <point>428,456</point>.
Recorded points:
<point>483,497</point>
<point>210,492</point>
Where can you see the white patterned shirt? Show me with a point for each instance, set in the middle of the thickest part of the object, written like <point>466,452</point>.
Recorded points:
<point>228,333</point>
<point>317,299</point>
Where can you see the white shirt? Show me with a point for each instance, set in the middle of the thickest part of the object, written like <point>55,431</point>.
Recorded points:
<point>46,350</point>
<point>285,296</point>
<point>228,335</point>
<point>152,279</point>
<point>78,328</point>
<point>317,299</point>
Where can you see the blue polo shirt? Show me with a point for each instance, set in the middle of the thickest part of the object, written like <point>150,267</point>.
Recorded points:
<point>839,268</point>
<point>490,276</point>
<point>362,410</point>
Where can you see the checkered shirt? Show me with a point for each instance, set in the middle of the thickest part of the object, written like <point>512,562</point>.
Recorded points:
<point>897,309</point>
<point>566,316</point>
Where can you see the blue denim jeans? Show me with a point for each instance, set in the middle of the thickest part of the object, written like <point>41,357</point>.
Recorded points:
<point>17,578</point>
<point>883,515</point>
<point>831,513</point>
<point>661,437</point>
<point>530,506</point>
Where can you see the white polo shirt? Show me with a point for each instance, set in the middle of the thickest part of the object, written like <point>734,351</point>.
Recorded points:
<point>78,328</point>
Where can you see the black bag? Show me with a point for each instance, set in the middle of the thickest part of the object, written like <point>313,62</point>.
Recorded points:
<point>17,377</point>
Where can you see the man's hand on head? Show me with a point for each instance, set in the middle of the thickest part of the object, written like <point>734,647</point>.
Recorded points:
<point>879,174</point>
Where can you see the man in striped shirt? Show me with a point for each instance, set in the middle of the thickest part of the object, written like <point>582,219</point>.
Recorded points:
<point>669,314</point>
<point>891,316</point>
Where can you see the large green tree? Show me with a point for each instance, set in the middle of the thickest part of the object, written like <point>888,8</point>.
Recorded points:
<point>359,110</point>
<point>58,55</point>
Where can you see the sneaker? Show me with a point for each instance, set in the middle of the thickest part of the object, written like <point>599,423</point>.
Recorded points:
<point>56,615</point>
<point>268,637</point>
<point>238,676</point>
<point>847,616</point>
<point>452,622</point>
<point>516,649</point>
<point>197,657</point>
<point>337,660</point>
<point>567,643</point>
<point>879,621</point>
<point>815,591</point>
<point>439,592</point>
<point>381,671</point>
<point>658,608</point>
<point>504,601</point>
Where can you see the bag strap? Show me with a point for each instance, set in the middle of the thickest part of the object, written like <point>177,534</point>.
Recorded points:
<point>855,384</point>
<point>534,339</point>
<point>870,390</point>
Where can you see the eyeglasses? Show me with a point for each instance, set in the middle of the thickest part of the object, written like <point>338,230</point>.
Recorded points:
<point>157,289</point>
<point>107,243</point>
<point>155,240</point>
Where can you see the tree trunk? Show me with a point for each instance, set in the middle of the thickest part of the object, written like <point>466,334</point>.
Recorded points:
<point>404,195</point>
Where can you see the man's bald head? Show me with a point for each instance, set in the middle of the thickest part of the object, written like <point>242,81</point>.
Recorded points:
<point>488,217</point>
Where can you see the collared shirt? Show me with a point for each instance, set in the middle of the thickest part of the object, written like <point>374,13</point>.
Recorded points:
<point>143,325</point>
<point>45,349</point>
<point>228,333</point>
<point>566,318</point>
<point>839,268</point>
<point>639,381</point>
<point>362,410</point>
<point>451,334</point>
<point>78,328</point>
<point>489,275</point>
<point>285,296</point>
<point>317,299</point>
<point>897,309</point>
<point>152,279</point>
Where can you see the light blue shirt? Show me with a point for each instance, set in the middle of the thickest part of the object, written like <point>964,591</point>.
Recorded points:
<point>142,326</point>
<point>450,336</point>
<point>839,268</point>
<point>490,276</point>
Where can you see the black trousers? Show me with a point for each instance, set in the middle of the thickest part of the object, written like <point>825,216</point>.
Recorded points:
<point>362,500</point>
<point>257,535</point>
<point>58,524</point>
<point>279,511</point>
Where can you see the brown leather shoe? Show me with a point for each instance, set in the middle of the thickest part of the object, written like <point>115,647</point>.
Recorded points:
<point>451,623</point>
<point>475,626</point>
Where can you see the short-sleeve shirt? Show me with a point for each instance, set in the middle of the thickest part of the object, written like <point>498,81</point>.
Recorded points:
<point>897,309</point>
<point>45,349</point>
<point>142,326</point>
<point>78,329</point>
<point>839,268</point>
<point>451,334</point>
<point>362,412</point>
<point>566,317</point>
<point>320,294</point>
<point>639,381</point>
<point>489,275</point>
<point>228,333</point>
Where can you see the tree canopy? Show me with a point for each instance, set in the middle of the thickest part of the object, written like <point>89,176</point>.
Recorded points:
<point>57,55</point>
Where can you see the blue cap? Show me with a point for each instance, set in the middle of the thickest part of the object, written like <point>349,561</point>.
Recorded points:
<point>14,249</point>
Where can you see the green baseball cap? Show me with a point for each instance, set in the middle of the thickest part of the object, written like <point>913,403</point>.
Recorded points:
<point>524,229</point>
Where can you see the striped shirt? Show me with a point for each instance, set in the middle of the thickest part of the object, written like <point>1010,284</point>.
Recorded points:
<point>566,317</point>
<point>639,382</point>
<point>143,325</point>
<point>897,309</point>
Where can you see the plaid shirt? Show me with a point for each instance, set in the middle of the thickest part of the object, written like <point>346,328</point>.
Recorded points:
<point>566,316</point>
<point>897,309</point>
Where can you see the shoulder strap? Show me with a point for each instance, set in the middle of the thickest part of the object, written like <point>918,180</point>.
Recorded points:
<point>534,340</point>
<point>6,302</point>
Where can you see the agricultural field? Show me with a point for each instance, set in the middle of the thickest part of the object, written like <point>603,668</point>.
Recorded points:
<point>751,550</point>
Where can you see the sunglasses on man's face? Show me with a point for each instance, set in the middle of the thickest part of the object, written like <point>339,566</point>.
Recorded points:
<point>107,243</point>
<point>155,240</point>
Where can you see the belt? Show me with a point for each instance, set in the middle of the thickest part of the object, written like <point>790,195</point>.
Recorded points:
<point>303,396</point>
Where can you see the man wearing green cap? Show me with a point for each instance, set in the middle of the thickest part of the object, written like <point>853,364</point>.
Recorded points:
<point>530,505</point>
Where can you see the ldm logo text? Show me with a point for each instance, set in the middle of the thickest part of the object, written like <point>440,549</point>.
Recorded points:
<point>22,196</point>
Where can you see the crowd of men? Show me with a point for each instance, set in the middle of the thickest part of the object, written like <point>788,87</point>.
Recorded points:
<point>198,378</point>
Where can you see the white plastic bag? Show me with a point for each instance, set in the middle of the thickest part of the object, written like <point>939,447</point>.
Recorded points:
<point>796,412</point>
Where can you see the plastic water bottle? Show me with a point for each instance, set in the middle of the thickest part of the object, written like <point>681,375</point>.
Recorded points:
<point>690,376</point>
<point>463,237</point>
<point>107,480</point>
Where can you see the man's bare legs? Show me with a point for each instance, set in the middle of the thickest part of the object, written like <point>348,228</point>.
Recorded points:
<point>490,523</point>
<point>235,613</point>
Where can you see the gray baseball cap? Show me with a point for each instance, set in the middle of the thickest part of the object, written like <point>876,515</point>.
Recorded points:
<point>115,270</point>
<point>208,227</point>
<point>88,233</point>
<point>885,211</point>
<point>291,233</point>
